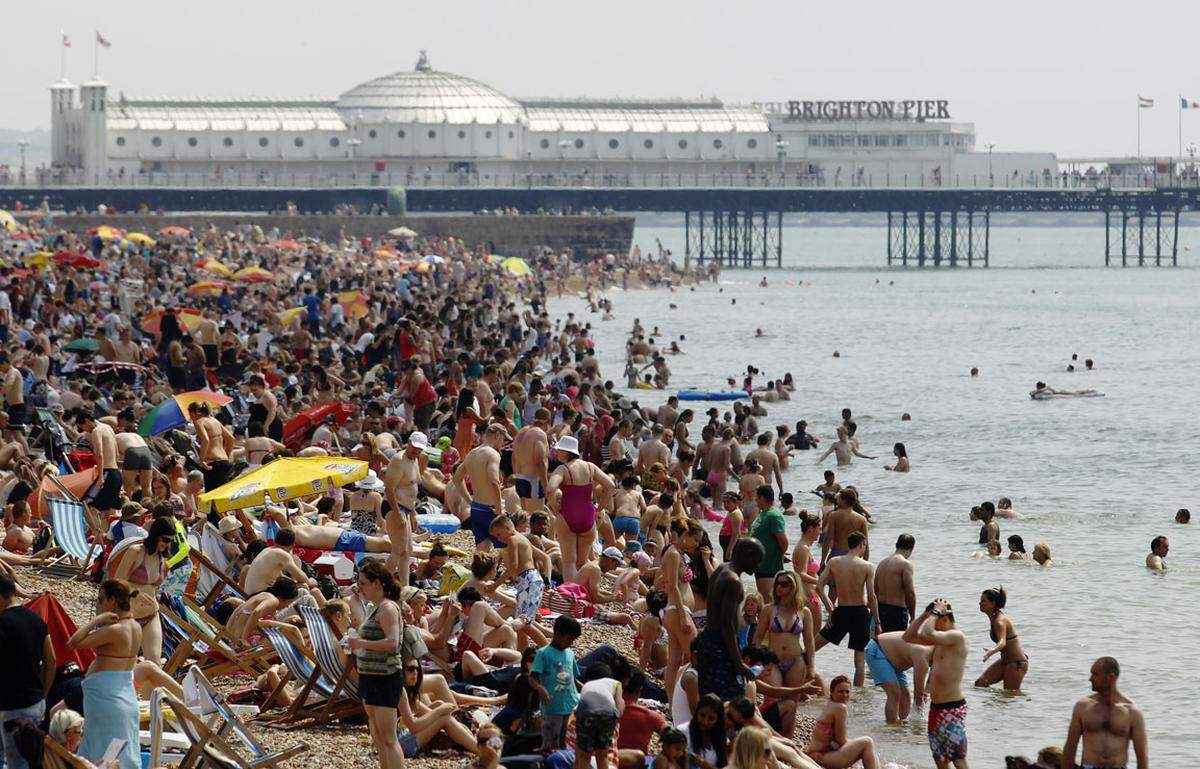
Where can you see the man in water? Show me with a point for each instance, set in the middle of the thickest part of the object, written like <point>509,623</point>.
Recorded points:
<point>894,586</point>
<point>1108,721</point>
<point>888,656</point>
<point>1042,391</point>
<point>990,530</point>
<point>768,460</point>
<point>482,466</point>
<point>1158,551</point>
<point>840,524</point>
<point>947,728</point>
<point>800,439</point>
<point>653,450</point>
<point>844,450</point>
<point>530,451</point>
<point>1183,515</point>
<point>856,605</point>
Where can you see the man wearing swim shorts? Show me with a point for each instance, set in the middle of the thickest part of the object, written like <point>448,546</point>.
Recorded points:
<point>888,657</point>
<point>839,525</point>
<point>527,580</point>
<point>856,602</point>
<point>530,455</point>
<point>105,493</point>
<point>947,727</point>
<point>351,541</point>
<point>894,586</point>
<point>482,467</point>
<point>136,462</point>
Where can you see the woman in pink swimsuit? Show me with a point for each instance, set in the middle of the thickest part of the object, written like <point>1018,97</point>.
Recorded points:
<point>570,493</point>
<point>806,566</point>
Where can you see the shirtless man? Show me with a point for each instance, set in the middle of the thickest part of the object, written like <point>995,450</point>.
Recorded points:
<point>1107,721</point>
<point>768,460</point>
<point>482,466</point>
<point>317,537</point>
<point>720,463</point>
<point>990,530</point>
<point>19,536</point>
<point>620,446</point>
<point>209,337</point>
<point>1040,390</point>
<point>947,727</point>
<point>628,505</point>
<point>590,577</point>
<point>840,524</point>
<point>136,463</point>
<point>125,349</point>
<point>105,493</point>
<point>216,443</point>
<point>653,450</point>
<point>856,604</point>
<point>894,586</point>
<point>1158,551</point>
<point>13,385</point>
<point>275,562</point>
<point>888,656</point>
<point>400,482</point>
<point>843,448</point>
<point>668,413</point>
<point>519,569</point>
<point>530,450</point>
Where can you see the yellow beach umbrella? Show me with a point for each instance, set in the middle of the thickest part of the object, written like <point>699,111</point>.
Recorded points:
<point>354,303</point>
<point>284,479</point>
<point>141,238</point>
<point>39,259</point>
<point>7,221</point>
<point>214,266</point>
<point>516,265</point>
<point>288,316</point>
<point>254,275</point>
<point>109,233</point>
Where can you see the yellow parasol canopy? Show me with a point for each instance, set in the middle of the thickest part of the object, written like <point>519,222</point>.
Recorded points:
<point>516,265</point>
<point>288,316</point>
<point>254,275</point>
<point>39,259</point>
<point>141,238</point>
<point>216,267</point>
<point>354,303</point>
<point>7,221</point>
<point>284,479</point>
<point>208,288</point>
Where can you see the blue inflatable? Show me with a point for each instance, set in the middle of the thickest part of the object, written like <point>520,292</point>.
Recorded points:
<point>705,395</point>
<point>439,523</point>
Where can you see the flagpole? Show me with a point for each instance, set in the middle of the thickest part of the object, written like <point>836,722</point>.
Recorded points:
<point>1139,131</point>
<point>1179,106</point>
<point>62,55</point>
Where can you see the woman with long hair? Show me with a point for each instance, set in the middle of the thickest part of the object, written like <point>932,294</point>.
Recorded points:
<point>1013,664</point>
<point>108,695</point>
<point>787,626</point>
<point>675,577</point>
<point>706,734</point>
<point>377,649</point>
<point>423,718</point>
<point>466,419</point>
<point>829,746</point>
<point>144,567</point>
<point>901,465</point>
<point>651,639</point>
<point>806,566</point>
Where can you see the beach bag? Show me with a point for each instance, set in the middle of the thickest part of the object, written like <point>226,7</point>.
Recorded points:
<point>570,599</point>
<point>453,577</point>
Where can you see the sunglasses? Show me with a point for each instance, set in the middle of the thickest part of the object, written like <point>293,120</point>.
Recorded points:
<point>411,669</point>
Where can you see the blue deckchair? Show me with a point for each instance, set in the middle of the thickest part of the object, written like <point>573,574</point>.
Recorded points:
<point>69,525</point>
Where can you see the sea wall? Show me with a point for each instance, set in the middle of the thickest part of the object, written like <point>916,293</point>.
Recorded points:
<point>507,235</point>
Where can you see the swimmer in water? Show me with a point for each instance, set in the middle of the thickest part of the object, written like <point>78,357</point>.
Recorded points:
<point>758,333</point>
<point>1158,551</point>
<point>974,371</point>
<point>1041,554</point>
<point>763,283</point>
<point>901,465</point>
<point>843,448</point>
<point>1016,548</point>
<point>1004,509</point>
<point>1042,391</point>
<point>1183,515</point>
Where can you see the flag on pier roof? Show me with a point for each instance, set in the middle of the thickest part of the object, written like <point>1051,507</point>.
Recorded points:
<point>1188,103</point>
<point>1143,102</point>
<point>100,39</point>
<point>66,41</point>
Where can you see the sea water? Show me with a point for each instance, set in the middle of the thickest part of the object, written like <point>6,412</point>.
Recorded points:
<point>1097,478</point>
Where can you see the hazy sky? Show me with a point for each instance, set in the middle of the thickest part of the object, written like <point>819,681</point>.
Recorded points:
<point>1048,75</point>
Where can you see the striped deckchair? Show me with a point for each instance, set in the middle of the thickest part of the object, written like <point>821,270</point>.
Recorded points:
<point>195,634</point>
<point>225,723</point>
<point>329,657</point>
<point>69,525</point>
<point>303,668</point>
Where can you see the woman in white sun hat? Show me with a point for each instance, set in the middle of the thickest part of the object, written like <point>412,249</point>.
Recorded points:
<point>365,504</point>
<point>577,480</point>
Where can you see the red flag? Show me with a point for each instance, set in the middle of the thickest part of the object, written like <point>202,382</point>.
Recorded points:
<point>100,39</point>
<point>66,41</point>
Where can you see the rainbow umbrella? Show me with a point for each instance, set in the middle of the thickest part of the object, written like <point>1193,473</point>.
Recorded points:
<point>208,288</point>
<point>173,412</point>
<point>188,319</point>
<point>254,275</point>
<point>285,478</point>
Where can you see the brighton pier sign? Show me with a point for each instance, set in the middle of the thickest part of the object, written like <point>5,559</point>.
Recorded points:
<point>909,109</point>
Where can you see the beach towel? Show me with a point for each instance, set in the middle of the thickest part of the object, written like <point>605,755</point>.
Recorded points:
<point>111,712</point>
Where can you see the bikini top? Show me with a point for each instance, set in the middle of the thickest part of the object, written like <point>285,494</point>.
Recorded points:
<point>796,629</point>
<point>140,575</point>
<point>992,633</point>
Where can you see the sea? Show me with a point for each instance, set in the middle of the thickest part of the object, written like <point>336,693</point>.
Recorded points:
<point>1096,478</point>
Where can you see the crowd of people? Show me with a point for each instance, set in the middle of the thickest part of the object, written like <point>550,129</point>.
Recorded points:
<point>442,371</point>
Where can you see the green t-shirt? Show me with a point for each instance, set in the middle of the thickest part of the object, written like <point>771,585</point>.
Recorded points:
<point>766,526</point>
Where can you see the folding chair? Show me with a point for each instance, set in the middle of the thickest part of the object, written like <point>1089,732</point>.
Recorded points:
<point>220,576</point>
<point>193,635</point>
<point>226,722</point>
<point>329,657</point>
<point>205,748</point>
<point>302,667</point>
<point>68,523</point>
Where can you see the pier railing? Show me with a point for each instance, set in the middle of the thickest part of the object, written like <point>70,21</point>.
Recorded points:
<point>458,180</point>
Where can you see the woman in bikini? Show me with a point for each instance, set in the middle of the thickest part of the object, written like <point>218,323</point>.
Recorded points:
<point>258,445</point>
<point>787,627</point>
<point>109,698</point>
<point>674,578</point>
<point>366,505</point>
<point>651,639</point>
<point>578,482</point>
<point>807,567</point>
<point>828,745</point>
<point>144,567</point>
<point>1014,662</point>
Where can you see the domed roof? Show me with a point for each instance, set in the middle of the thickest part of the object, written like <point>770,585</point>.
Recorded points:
<point>427,96</point>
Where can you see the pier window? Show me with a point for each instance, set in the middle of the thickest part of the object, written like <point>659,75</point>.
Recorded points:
<point>882,140</point>
<point>334,141</point>
<point>901,140</point>
<point>263,141</point>
<point>227,141</point>
<point>372,133</point>
<point>718,144</point>
<point>752,144</point>
<point>648,144</point>
<point>487,134</point>
<point>683,144</point>
<point>544,144</point>
<point>401,134</point>
<point>156,141</point>
<point>192,141</point>
<point>432,134</point>
<point>298,141</point>
<point>863,140</point>
<point>579,144</point>
<point>462,134</point>
<point>120,141</point>
<point>613,144</point>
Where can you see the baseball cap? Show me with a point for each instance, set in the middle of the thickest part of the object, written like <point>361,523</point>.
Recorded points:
<point>418,439</point>
<point>612,552</point>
